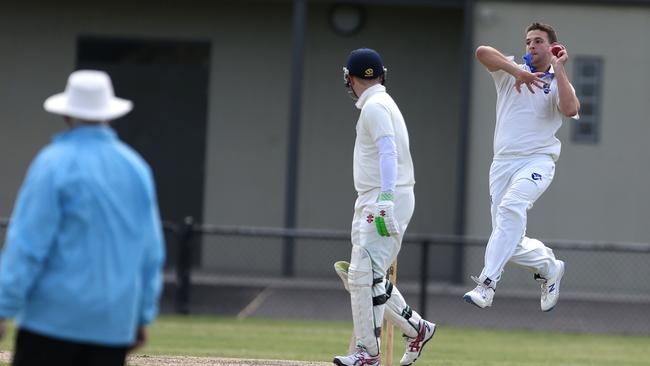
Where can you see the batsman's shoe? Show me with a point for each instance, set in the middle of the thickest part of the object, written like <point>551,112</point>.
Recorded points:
<point>551,288</point>
<point>414,345</point>
<point>481,296</point>
<point>359,358</point>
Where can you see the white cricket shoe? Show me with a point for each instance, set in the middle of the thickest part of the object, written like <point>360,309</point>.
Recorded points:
<point>414,345</point>
<point>480,296</point>
<point>359,358</point>
<point>551,288</point>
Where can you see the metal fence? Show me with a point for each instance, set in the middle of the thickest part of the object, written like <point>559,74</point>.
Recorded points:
<point>605,289</point>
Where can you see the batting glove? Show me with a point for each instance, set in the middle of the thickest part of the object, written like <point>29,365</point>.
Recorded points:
<point>384,215</point>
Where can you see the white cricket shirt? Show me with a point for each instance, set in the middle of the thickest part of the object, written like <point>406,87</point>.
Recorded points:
<point>379,117</point>
<point>526,122</point>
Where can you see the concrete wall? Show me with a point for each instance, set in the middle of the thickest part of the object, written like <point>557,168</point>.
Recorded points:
<point>600,191</point>
<point>245,167</point>
<point>423,78</point>
<point>248,97</point>
<point>38,39</point>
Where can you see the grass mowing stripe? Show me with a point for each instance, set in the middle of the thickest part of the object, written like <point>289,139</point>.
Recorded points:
<point>320,341</point>
<point>254,338</point>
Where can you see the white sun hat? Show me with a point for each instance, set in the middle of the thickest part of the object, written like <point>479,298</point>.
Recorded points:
<point>88,96</point>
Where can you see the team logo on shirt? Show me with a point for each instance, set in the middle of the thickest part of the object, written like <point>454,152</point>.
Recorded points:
<point>546,88</point>
<point>536,176</point>
<point>369,218</point>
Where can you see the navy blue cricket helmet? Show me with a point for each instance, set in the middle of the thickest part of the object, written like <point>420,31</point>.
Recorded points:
<point>365,63</point>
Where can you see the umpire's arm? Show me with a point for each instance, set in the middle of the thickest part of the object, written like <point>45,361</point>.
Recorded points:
<point>32,229</point>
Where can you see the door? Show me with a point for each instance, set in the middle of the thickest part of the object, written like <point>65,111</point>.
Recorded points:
<point>168,84</point>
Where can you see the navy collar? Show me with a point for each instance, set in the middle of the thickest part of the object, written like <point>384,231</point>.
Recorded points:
<point>533,69</point>
<point>548,73</point>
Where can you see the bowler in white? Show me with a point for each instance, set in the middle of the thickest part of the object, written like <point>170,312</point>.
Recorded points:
<point>532,99</point>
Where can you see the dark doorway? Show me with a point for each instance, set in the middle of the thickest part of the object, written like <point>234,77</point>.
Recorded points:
<point>168,84</point>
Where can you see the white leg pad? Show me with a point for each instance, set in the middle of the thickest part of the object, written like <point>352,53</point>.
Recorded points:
<point>397,311</point>
<point>360,284</point>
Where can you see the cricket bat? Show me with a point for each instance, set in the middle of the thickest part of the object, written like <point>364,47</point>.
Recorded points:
<point>387,332</point>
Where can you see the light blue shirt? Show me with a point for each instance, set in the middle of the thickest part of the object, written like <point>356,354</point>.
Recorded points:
<point>84,250</point>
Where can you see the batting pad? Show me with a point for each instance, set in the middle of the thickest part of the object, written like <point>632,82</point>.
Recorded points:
<point>398,312</point>
<point>366,317</point>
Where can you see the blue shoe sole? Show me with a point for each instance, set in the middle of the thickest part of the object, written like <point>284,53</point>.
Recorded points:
<point>468,299</point>
<point>546,311</point>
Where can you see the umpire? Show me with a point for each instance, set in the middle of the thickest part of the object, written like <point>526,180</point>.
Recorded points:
<point>81,267</point>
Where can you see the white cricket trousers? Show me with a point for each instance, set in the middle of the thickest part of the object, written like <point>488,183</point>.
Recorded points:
<point>372,255</point>
<point>515,184</point>
<point>383,250</point>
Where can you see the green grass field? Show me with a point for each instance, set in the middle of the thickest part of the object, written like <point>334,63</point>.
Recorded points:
<point>320,341</point>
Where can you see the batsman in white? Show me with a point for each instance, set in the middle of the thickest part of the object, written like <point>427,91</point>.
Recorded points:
<point>384,179</point>
<point>525,152</point>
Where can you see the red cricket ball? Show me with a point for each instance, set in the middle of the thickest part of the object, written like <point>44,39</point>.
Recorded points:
<point>555,50</point>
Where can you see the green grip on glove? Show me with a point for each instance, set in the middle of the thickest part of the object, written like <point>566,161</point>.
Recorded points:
<point>380,223</point>
<point>381,226</point>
